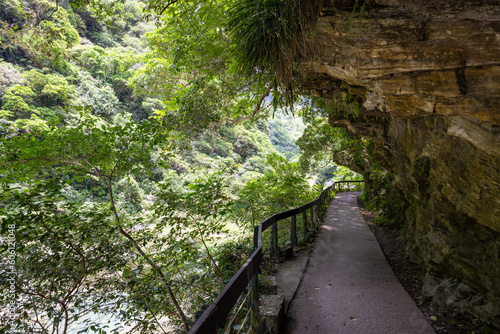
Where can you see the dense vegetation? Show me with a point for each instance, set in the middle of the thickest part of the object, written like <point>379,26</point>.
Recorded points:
<point>135,156</point>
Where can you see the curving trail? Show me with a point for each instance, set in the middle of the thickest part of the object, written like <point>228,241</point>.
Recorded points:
<point>349,287</point>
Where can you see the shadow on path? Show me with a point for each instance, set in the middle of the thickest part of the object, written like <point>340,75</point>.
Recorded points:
<point>349,287</point>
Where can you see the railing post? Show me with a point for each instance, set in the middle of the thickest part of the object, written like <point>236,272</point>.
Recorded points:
<point>293,231</point>
<point>274,239</point>
<point>304,224</point>
<point>316,218</point>
<point>254,304</point>
<point>312,218</point>
<point>253,285</point>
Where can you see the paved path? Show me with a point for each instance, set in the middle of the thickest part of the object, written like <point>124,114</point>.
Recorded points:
<point>349,287</point>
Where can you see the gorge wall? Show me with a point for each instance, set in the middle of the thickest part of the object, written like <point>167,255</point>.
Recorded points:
<point>426,75</point>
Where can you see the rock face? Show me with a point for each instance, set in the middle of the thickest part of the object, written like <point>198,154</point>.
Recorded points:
<point>426,75</point>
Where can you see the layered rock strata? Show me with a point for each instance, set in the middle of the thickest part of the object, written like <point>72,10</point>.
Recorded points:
<point>426,75</point>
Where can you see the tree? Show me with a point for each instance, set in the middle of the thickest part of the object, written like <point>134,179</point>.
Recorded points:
<point>282,187</point>
<point>191,68</point>
<point>321,143</point>
<point>65,256</point>
<point>195,215</point>
<point>89,149</point>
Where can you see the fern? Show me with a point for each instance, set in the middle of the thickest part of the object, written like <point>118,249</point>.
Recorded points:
<point>350,20</point>
<point>362,12</point>
<point>355,108</point>
<point>363,9</point>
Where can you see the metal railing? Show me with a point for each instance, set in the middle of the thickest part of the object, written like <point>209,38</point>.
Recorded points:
<point>349,185</point>
<point>214,317</point>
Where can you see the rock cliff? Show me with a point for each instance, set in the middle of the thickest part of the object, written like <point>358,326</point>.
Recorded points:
<point>426,75</point>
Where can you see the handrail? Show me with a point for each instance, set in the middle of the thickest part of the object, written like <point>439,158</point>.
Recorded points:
<point>214,316</point>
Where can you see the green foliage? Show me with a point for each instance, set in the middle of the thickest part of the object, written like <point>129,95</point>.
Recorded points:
<point>108,65</point>
<point>194,215</point>
<point>99,151</point>
<point>97,95</point>
<point>33,106</point>
<point>322,144</point>
<point>192,110</point>
<point>48,38</point>
<point>189,68</point>
<point>232,253</point>
<point>131,190</point>
<point>88,149</point>
<point>124,15</point>
<point>15,102</point>
<point>284,130</point>
<point>106,164</point>
<point>12,12</point>
<point>50,89</point>
<point>381,195</point>
<point>87,177</point>
<point>280,188</point>
<point>362,11</point>
<point>188,47</point>
<point>348,106</point>
<point>134,41</point>
<point>270,36</point>
<point>65,256</point>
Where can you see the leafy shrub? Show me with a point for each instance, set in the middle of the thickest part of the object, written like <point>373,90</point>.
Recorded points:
<point>282,187</point>
<point>254,164</point>
<point>221,147</point>
<point>284,130</point>
<point>231,254</point>
<point>140,107</point>
<point>100,96</point>
<point>52,37</point>
<point>103,39</point>
<point>11,12</point>
<point>16,102</point>
<point>203,147</point>
<point>244,147</point>
<point>381,195</point>
<point>40,100</point>
<point>50,89</point>
<point>131,190</point>
<point>16,107</point>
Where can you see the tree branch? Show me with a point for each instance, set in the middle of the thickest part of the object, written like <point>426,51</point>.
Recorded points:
<point>167,5</point>
<point>206,247</point>
<point>180,313</point>
<point>42,17</point>
<point>256,110</point>
<point>156,319</point>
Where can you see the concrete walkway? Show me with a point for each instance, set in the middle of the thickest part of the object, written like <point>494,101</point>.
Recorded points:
<point>349,287</point>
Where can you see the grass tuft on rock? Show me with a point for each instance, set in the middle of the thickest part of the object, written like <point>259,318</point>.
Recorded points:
<point>271,36</point>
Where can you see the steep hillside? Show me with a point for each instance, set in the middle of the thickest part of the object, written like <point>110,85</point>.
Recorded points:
<point>130,179</point>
